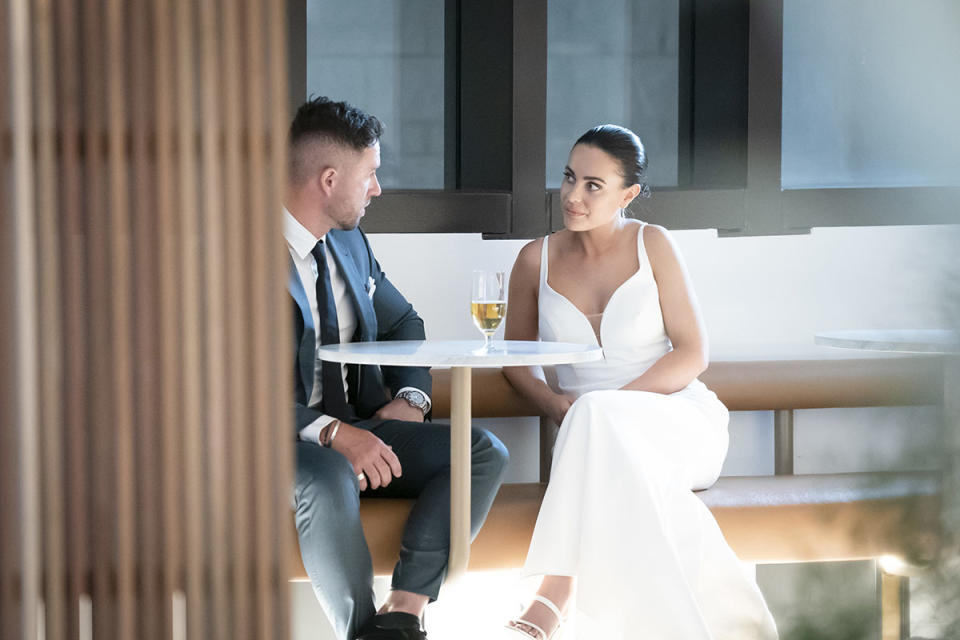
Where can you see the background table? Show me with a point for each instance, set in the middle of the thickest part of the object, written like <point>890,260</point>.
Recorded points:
<point>944,342</point>
<point>460,356</point>
<point>941,341</point>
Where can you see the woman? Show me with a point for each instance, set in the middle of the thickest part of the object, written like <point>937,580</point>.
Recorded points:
<point>638,431</point>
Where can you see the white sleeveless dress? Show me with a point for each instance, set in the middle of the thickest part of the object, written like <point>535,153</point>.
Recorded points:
<point>619,512</point>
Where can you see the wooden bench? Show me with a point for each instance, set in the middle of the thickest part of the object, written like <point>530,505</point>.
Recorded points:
<point>766,519</point>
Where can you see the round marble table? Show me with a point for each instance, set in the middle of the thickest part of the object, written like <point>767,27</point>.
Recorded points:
<point>460,356</point>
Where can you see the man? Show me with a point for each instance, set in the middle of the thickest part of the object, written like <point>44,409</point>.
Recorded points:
<point>361,430</point>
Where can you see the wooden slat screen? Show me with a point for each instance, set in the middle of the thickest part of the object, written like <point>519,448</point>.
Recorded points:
<point>145,450</point>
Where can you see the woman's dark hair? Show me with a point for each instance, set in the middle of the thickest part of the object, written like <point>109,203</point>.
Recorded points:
<point>626,148</point>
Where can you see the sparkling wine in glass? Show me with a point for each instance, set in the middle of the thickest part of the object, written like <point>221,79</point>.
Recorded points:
<point>488,303</point>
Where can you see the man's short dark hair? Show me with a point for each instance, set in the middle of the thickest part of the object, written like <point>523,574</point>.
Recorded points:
<point>336,122</point>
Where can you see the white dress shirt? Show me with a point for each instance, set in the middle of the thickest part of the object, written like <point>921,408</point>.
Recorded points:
<point>301,242</point>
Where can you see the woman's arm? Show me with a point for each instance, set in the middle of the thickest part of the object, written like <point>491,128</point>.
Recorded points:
<point>522,323</point>
<point>681,319</point>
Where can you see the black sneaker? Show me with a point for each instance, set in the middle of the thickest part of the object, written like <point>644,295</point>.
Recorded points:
<point>392,626</point>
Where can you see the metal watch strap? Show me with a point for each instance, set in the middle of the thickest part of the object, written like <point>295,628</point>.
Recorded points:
<point>416,399</point>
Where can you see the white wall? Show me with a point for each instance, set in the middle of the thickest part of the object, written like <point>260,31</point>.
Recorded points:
<point>762,297</point>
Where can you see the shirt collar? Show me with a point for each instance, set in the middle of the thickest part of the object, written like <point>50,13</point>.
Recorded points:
<point>297,236</point>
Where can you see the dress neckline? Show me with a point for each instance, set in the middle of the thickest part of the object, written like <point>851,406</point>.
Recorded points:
<point>597,335</point>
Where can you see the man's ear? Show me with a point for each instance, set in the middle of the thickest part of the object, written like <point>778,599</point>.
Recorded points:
<point>326,180</point>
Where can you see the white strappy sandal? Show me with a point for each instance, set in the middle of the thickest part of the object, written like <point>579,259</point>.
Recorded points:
<point>540,633</point>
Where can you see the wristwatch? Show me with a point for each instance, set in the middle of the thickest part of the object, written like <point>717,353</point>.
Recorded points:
<point>415,399</point>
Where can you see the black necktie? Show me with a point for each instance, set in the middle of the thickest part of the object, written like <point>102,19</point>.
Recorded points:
<point>334,402</point>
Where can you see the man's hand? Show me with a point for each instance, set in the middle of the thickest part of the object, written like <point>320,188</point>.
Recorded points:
<point>368,455</point>
<point>399,409</point>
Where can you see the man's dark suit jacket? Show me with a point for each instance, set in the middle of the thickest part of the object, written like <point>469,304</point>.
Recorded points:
<point>382,314</point>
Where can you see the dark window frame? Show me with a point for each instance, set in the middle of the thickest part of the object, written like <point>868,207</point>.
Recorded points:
<point>495,82</point>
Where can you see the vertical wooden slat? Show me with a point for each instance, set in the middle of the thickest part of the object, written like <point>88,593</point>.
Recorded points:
<point>25,315</point>
<point>9,469</point>
<point>283,461</point>
<point>98,330</point>
<point>121,305</point>
<point>76,383</point>
<point>216,356</point>
<point>161,276</point>
<point>9,427</point>
<point>51,369</point>
<point>258,282</point>
<point>147,301</point>
<point>240,406</point>
<point>168,312</point>
<point>190,319</point>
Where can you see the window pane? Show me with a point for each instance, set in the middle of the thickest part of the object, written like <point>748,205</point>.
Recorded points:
<point>385,57</point>
<point>613,61</point>
<point>870,93</point>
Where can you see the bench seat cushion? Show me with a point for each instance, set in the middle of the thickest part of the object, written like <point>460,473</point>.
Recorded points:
<point>844,516</point>
<point>765,519</point>
<point>750,386</point>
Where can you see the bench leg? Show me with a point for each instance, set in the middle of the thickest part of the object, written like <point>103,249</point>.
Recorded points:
<point>894,605</point>
<point>783,439</point>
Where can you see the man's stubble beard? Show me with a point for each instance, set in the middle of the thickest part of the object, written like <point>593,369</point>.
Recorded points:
<point>345,223</point>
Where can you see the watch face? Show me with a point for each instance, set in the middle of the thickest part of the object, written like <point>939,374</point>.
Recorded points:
<point>415,398</point>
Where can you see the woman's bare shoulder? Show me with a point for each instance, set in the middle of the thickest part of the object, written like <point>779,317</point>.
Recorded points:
<point>530,253</point>
<point>661,249</point>
<point>527,264</point>
<point>656,237</point>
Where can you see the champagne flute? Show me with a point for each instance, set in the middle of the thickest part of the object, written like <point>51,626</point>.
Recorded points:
<point>488,303</point>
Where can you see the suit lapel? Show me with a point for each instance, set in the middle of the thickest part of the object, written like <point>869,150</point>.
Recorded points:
<point>307,347</point>
<point>355,287</point>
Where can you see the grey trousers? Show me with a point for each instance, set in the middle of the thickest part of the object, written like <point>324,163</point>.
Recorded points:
<point>326,500</point>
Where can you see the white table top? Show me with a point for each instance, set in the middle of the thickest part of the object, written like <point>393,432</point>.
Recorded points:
<point>460,353</point>
<point>902,340</point>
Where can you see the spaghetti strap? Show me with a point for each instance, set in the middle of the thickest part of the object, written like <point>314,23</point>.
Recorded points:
<point>543,262</point>
<point>641,247</point>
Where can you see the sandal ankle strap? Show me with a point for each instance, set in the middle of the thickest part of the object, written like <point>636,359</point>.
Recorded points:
<point>549,605</point>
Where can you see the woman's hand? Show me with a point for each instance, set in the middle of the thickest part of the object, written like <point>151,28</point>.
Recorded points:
<point>557,406</point>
